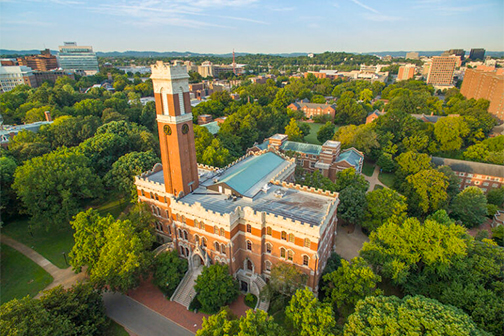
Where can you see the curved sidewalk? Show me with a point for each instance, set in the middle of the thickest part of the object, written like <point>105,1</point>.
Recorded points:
<point>373,179</point>
<point>65,277</point>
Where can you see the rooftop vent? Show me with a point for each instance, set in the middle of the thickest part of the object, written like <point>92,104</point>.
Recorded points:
<point>279,193</point>
<point>266,188</point>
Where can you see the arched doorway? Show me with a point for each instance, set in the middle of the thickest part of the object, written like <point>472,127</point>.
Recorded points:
<point>197,261</point>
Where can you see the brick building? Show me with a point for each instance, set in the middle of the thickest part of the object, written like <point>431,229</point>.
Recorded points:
<point>311,109</point>
<point>247,215</point>
<point>43,62</point>
<point>406,72</point>
<point>51,76</point>
<point>328,158</point>
<point>488,83</point>
<point>441,70</point>
<point>474,174</point>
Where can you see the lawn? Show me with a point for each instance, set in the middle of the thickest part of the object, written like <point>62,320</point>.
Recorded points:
<point>312,137</point>
<point>368,168</point>
<point>51,244</point>
<point>387,179</point>
<point>20,276</point>
<point>115,329</point>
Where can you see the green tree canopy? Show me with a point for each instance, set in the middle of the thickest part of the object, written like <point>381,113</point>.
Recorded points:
<point>349,177</point>
<point>350,283</point>
<point>169,270</point>
<point>426,191</point>
<point>293,131</point>
<point>7,195</point>
<point>397,250</point>
<point>53,186</point>
<point>352,204</point>
<point>285,280</point>
<point>215,288</point>
<point>450,132</point>
<point>326,132</point>
<point>362,137</point>
<point>308,316</point>
<point>383,205</point>
<point>417,315</point>
<point>470,206</point>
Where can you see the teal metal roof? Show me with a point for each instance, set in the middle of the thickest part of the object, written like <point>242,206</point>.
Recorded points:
<point>264,145</point>
<point>212,127</point>
<point>352,157</point>
<point>244,175</point>
<point>301,147</point>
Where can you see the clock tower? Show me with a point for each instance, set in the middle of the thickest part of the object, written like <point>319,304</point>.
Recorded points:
<point>175,127</point>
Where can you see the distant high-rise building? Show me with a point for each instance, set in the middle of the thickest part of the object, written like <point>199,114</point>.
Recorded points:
<point>478,53</point>
<point>456,52</point>
<point>488,83</point>
<point>406,72</point>
<point>77,58</point>
<point>43,62</point>
<point>412,55</point>
<point>441,70</point>
<point>12,76</point>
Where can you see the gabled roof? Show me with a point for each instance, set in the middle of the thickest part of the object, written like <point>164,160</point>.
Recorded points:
<point>352,156</point>
<point>470,166</point>
<point>243,176</point>
<point>213,127</point>
<point>301,147</point>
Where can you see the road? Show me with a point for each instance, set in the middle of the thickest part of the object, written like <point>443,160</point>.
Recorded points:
<point>140,319</point>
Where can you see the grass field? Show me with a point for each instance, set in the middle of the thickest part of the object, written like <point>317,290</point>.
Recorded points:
<point>368,168</point>
<point>51,244</point>
<point>115,329</point>
<point>387,179</point>
<point>20,276</point>
<point>312,137</point>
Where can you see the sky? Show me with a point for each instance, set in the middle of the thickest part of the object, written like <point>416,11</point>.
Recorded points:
<point>255,26</point>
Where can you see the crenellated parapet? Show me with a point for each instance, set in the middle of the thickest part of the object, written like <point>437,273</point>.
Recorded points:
<point>206,167</point>
<point>299,187</point>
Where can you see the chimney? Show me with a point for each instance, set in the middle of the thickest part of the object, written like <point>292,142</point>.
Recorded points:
<point>48,115</point>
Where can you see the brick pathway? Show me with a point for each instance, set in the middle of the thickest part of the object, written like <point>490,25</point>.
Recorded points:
<point>150,296</point>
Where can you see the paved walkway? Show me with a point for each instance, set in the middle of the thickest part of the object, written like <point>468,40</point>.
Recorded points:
<point>349,241</point>
<point>65,277</point>
<point>150,296</point>
<point>138,318</point>
<point>373,179</point>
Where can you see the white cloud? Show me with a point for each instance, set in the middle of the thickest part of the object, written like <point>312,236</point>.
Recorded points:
<point>365,6</point>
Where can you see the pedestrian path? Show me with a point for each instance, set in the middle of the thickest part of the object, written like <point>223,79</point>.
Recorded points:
<point>65,277</point>
<point>373,179</point>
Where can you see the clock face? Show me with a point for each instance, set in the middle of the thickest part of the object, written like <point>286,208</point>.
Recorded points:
<point>185,129</point>
<point>167,129</point>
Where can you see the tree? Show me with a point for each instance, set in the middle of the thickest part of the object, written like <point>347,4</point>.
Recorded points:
<point>325,132</point>
<point>383,205</point>
<point>470,206</point>
<point>215,288</point>
<point>89,107</point>
<point>386,162</point>
<point>317,180</point>
<point>38,114</point>
<point>496,196</point>
<point>258,323</point>
<point>70,131</point>
<point>121,176</point>
<point>209,150</point>
<point>123,258</point>
<point>348,111</point>
<point>26,145</point>
<point>223,323</point>
<point>7,195</point>
<point>285,280</point>
<point>293,131</point>
<point>352,204</point>
<point>308,316</point>
<point>350,283</point>
<point>349,177</point>
<point>426,191</point>
<point>169,270</point>
<point>417,315</point>
<point>399,250</point>
<point>453,181</point>
<point>450,132</point>
<point>318,99</point>
<point>411,163</point>
<point>53,186</point>
<point>362,137</point>
<point>103,150</point>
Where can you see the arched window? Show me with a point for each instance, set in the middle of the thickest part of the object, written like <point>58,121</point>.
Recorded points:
<point>151,195</point>
<point>159,227</point>
<point>180,233</point>
<point>201,225</point>
<point>153,209</point>
<point>268,230</point>
<point>250,265</point>
<point>249,245</point>
<point>158,211</point>
<point>196,239</point>
<point>268,248</point>
<point>203,242</point>
<point>249,228</point>
<point>290,255</point>
<point>216,246</point>
<point>223,249</point>
<point>169,229</point>
<point>307,242</point>
<point>306,259</point>
<point>195,223</point>
<point>284,235</point>
<point>182,251</point>
<point>177,217</point>
<point>156,197</point>
<point>142,192</point>
<point>222,232</point>
<point>282,252</point>
<point>291,238</point>
<point>183,219</point>
<point>267,265</point>
<point>185,235</point>
<point>215,230</point>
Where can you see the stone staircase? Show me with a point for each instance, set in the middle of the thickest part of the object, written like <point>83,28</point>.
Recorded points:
<point>185,291</point>
<point>259,283</point>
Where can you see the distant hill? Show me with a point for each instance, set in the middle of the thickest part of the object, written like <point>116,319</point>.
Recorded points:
<point>155,54</point>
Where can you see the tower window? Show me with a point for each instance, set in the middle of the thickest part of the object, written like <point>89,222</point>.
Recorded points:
<point>249,228</point>
<point>282,252</point>
<point>268,248</point>
<point>223,249</point>
<point>216,230</point>
<point>222,232</point>
<point>268,230</point>
<point>290,255</point>
<point>291,238</point>
<point>306,259</point>
<point>307,242</point>
<point>284,235</point>
<point>249,245</point>
<point>267,265</point>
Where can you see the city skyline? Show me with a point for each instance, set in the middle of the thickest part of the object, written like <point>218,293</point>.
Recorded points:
<point>254,26</point>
